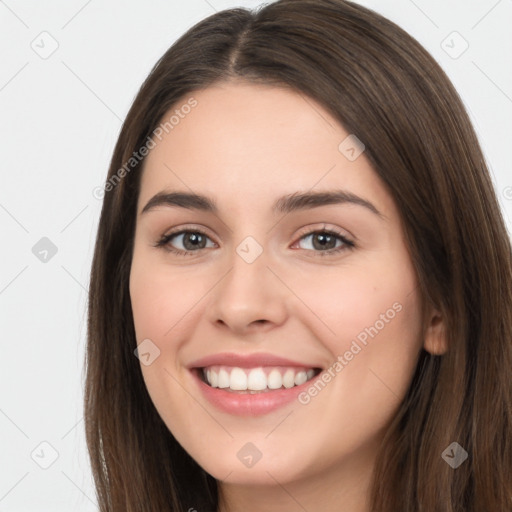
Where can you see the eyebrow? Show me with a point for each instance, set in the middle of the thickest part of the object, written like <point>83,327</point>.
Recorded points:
<point>286,204</point>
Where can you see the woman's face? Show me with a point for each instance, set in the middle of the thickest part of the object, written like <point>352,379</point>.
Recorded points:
<point>273,289</point>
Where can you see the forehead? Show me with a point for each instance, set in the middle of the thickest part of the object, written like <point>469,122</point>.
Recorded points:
<point>248,141</point>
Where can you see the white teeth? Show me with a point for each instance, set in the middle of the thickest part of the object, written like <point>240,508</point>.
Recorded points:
<point>289,379</point>
<point>274,379</point>
<point>213,378</point>
<point>238,379</point>
<point>223,378</point>
<point>300,378</point>
<point>256,379</point>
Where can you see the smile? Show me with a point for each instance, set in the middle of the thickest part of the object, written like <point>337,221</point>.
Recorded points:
<point>256,380</point>
<point>251,384</point>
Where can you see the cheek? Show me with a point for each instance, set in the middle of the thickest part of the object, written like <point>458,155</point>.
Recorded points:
<point>162,299</point>
<point>363,303</point>
<point>377,324</point>
<point>374,332</point>
<point>163,309</point>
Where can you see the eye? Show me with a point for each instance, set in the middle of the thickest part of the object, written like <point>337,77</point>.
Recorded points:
<point>191,240</point>
<point>326,242</point>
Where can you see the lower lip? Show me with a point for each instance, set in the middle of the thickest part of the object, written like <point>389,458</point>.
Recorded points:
<point>247,404</point>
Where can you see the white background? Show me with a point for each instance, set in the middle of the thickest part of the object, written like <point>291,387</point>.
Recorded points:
<point>60,118</point>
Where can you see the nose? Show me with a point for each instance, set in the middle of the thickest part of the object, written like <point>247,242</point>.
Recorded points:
<point>248,298</point>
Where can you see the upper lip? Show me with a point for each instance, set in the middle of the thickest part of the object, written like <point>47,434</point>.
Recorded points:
<point>247,361</point>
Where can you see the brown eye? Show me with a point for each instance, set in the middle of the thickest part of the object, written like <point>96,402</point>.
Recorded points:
<point>326,242</point>
<point>190,240</point>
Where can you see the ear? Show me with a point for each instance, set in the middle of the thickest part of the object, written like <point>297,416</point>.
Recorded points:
<point>435,339</point>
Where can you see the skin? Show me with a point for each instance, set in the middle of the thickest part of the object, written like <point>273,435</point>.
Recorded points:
<point>245,145</point>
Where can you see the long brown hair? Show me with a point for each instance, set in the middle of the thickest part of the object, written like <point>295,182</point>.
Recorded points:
<point>384,87</point>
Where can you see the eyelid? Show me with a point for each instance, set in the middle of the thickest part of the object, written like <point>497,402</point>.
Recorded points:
<point>323,226</point>
<point>189,227</point>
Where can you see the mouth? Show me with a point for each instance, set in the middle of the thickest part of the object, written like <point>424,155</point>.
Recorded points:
<point>251,384</point>
<point>261,379</point>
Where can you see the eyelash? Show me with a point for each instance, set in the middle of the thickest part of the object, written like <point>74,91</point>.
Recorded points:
<point>347,244</point>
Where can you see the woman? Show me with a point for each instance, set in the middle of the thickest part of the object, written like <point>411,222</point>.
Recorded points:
<point>238,361</point>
